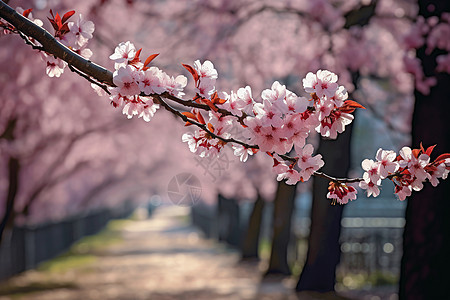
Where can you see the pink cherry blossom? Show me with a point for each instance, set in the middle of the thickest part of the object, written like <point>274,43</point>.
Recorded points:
<point>149,109</point>
<point>371,188</point>
<point>55,66</point>
<point>123,53</point>
<point>245,99</point>
<point>242,152</point>
<point>403,191</point>
<point>371,168</point>
<point>292,176</point>
<point>415,165</point>
<point>149,81</point>
<point>205,70</point>
<point>323,83</point>
<point>124,79</point>
<point>268,114</point>
<point>232,103</point>
<point>80,31</point>
<point>386,162</point>
<point>308,163</point>
<point>296,104</point>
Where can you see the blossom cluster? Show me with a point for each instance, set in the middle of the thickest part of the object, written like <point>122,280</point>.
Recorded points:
<point>135,81</point>
<point>408,170</point>
<point>276,123</point>
<point>74,35</point>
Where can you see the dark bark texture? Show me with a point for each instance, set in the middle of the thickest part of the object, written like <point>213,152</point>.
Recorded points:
<point>425,270</point>
<point>282,216</point>
<point>319,272</point>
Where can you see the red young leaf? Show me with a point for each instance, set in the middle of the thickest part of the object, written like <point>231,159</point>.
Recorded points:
<point>200,118</point>
<point>58,21</point>
<point>51,12</point>
<point>415,152</point>
<point>216,99</point>
<point>210,127</point>
<point>189,115</point>
<point>54,25</point>
<point>64,29</point>
<point>210,104</point>
<point>135,59</point>
<point>421,148</point>
<point>27,12</point>
<point>353,104</point>
<point>429,150</point>
<point>192,71</point>
<point>442,157</point>
<point>149,59</point>
<point>67,15</point>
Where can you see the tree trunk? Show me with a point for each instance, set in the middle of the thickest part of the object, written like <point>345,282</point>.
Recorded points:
<point>281,226</point>
<point>425,268</point>
<point>13,181</point>
<point>13,175</point>
<point>250,244</point>
<point>319,272</point>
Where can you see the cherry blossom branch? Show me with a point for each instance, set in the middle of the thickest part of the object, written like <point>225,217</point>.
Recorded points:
<point>51,45</point>
<point>338,180</point>
<point>280,122</point>
<point>200,125</point>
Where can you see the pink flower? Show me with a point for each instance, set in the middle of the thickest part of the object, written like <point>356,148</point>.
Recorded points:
<point>403,191</point>
<point>415,165</point>
<point>276,96</point>
<point>191,140</point>
<point>175,86</point>
<point>292,176</point>
<point>387,165</point>
<point>205,70</point>
<point>296,104</point>
<point>149,109</point>
<point>323,83</point>
<point>341,193</point>
<point>371,168</point>
<point>268,114</point>
<point>132,108</point>
<point>55,66</point>
<point>437,172</point>
<point>232,104</point>
<point>245,100</point>
<point>371,188</point>
<point>149,81</point>
<point>242,152</point>
<point>306,162</point>
<point>124,79</point>
<point>80,31</point>
<point>206,87</point>
<point>123,53</point>
<point>340,96</point>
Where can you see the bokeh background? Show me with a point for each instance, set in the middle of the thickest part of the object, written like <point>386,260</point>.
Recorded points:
<point>67,155</point>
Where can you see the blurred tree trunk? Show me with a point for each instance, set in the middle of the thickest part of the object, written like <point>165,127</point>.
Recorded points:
<point>319,272</point>
<point>250,244</point>
<point>13,182</point>
<point>283,208</point>
<point>425,268</point>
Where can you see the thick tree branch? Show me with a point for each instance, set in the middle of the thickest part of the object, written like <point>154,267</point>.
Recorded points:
<point>52,46</point>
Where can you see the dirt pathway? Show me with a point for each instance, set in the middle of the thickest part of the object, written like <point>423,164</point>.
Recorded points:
<point>160,258</point>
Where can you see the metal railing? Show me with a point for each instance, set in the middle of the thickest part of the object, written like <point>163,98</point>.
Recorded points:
<point>24,247</point>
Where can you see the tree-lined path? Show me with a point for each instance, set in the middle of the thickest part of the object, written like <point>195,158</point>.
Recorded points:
<point>159,258</point>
